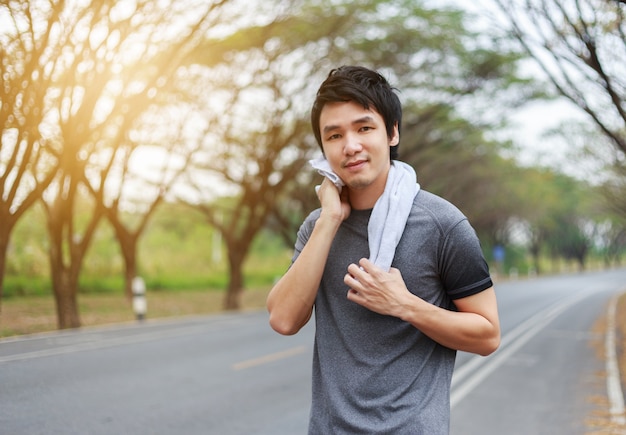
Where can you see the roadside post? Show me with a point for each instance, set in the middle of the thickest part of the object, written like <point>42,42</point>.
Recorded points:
<point>140,306</point>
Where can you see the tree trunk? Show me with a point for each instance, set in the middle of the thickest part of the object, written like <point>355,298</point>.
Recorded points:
<point>65,290</point>
<point>66,260</point>
<point>534,252</point>
<point>129,252</point>
<point>234,292</point>
<point>4,247</point>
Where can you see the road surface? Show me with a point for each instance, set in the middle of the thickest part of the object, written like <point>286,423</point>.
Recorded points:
<point>230,374</point>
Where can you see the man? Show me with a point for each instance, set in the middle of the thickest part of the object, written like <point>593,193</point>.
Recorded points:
<point>386,337</point>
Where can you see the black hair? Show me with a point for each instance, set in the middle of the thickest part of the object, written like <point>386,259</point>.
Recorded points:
<point>365,87</point>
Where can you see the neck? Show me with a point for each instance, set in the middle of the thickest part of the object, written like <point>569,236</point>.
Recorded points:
<point>364,198</point>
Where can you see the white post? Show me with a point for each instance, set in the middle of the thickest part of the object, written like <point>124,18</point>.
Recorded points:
<point>140,306</point>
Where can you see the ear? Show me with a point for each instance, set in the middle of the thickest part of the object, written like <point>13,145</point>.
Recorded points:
<point>395,137</point>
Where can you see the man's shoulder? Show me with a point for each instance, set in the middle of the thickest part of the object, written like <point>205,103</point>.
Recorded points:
<point>435,203</point>
<point>439,209</point>
<point>309,222</point>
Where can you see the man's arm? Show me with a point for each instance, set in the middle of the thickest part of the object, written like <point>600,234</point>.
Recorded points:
<point>474,328</point>
<point>290,302</point>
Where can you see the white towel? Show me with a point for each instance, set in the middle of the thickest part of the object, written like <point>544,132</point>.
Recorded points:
<point>323,168</point>
<point>390,212</point>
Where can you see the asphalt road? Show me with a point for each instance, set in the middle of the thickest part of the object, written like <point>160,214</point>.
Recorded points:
<point>549,376</point>
<point>230,374</point>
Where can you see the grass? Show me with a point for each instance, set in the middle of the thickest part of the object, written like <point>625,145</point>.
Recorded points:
<point>33,314</point>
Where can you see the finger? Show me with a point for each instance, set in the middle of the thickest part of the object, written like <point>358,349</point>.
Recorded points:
<point>369,266</point>
<point>358,274</point>
<point>350,281</point>
<point>352,295</point>
<point>353,269</point>
<point>395,271</point>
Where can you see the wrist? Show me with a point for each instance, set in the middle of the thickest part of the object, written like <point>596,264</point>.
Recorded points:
<point>412,309</point>
<point>330,219</point>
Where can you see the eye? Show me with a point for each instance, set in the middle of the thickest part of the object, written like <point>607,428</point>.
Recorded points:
<point>333,136</point>
<point>366,128</point>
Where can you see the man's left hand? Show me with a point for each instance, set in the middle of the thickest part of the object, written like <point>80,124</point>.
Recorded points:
<point>377,290</point>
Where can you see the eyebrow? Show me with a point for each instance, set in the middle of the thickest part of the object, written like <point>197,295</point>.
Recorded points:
<point>363,120</point>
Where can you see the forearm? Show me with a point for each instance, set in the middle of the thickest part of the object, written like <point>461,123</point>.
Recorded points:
<point>290,302</point>
<point>461,330</point>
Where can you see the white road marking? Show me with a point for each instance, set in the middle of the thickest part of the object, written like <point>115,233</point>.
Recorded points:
<point>471,374</point>
<point>613,383</point>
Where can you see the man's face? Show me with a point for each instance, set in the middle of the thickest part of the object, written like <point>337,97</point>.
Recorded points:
<point>356,145</point>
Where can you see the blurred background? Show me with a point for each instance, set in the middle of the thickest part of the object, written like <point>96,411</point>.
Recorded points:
<point>169,140</point>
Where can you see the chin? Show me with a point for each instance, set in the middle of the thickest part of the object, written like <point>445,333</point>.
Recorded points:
<point>359,183</point>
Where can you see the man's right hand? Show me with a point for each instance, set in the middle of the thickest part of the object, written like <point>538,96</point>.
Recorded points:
<point>335,205</point>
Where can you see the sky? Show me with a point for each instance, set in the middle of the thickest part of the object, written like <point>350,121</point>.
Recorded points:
<point>529,129</point>
<point>530,123</point>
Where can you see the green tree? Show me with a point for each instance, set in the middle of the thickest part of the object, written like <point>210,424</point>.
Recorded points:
<point>580,46</point>
<point>570,240</point>
<point>540,196</point>
<point>27,166</point>
<point>152,158</point>
<point>613,190</point>
<point>563,220</point>
<point>277,64</point>
<point>454,159</point>
<point>96,68</point>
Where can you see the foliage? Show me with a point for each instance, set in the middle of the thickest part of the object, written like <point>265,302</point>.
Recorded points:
<point>580,48</point>
<point>454,159</point>
<point>222,91</point>
<point>429,54</point>
<point>177,251</point>
<point>77,79</point>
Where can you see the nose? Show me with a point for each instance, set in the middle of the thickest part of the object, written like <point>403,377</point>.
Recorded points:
<point>352,145</point>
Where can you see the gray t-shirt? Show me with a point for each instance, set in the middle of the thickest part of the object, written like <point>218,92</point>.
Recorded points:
<point>375,374</point>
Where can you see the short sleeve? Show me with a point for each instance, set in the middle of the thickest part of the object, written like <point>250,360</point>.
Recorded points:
<point>305,232</point>
<point>464,270</point>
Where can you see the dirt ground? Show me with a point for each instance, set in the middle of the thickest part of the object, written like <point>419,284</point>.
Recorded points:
<point>600,421</point>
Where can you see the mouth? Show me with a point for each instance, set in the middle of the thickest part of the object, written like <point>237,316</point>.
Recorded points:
<point>355,165</point>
